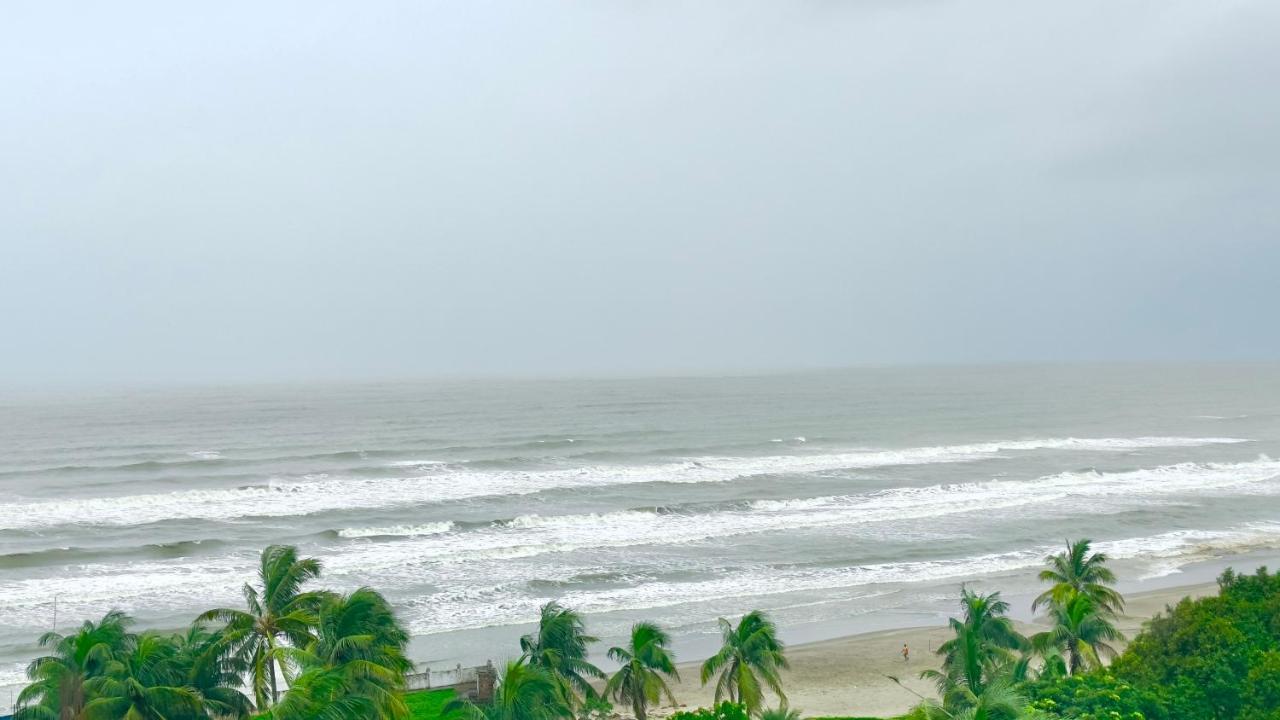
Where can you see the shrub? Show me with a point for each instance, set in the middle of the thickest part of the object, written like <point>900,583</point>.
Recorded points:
<point>1213,657</point>
<point>595,707</point>
<point>1094,696</point>
<point>723,711</point>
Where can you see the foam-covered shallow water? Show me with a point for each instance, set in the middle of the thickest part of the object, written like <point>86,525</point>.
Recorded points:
<point>844,499</point>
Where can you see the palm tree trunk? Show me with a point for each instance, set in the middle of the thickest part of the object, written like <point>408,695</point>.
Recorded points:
<point>271,668</point>
<point>72,700</point>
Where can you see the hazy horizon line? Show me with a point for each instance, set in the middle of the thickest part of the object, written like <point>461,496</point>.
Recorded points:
<point>100,386</point>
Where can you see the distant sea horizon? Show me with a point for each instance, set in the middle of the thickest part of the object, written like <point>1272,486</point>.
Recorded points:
<point>838,500</point>
<point>82,387</point>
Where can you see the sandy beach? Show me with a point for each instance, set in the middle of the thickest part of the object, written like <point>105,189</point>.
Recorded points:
<point>848,676</point>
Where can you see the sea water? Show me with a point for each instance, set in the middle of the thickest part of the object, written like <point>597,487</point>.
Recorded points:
<point>836,500</point>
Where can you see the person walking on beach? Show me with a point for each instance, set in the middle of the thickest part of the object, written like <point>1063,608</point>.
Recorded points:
<point>906,653</point>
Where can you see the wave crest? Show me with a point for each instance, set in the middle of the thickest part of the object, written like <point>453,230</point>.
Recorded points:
<point>283,498</point>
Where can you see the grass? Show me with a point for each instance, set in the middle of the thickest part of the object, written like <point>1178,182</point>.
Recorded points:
<point>426,704</point>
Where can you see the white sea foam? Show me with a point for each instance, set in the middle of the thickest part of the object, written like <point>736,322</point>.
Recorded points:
<point>439,552</point>
<point>205,454</point>
<point>1169,551</point>
<point>415,463</point>
<point>469,605</point>
<point>90,590</point>
<point>13,678</point>
<point>917,502</point>
<point>435,528</point>
<point>176,586</point>
<point>531,535</point>
<point>288,498</point>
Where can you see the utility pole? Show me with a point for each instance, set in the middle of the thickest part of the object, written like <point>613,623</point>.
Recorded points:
<point>55,611</point>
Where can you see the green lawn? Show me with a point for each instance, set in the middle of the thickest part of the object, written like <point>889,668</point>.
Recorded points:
<point>426,704</point>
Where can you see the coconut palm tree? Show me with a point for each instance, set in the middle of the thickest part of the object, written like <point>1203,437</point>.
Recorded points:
<point>1080,634</point>
<point>750,657</point>
<point>57,690</point>
<point>360,627</point>
<point>146,683</point>
<point>353,667</point>
<point>999,700</point>
<point>1079,571</point>
<point>278,611</point>
<point>646,658</point>
<point>560,647</point>
<point>216,678</point>
<point>984,644</point>
<point>782,712</point>
<point>524,692</point>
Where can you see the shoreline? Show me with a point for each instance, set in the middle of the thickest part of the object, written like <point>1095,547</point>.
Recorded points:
<point>848,675</point>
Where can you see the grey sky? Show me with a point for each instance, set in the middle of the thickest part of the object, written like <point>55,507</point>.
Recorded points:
<point>309,189</point>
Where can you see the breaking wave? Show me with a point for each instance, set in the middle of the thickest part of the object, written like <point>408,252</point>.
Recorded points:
<point>283,498</point>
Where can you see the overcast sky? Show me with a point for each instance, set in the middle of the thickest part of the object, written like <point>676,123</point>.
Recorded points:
<point>281,190</point>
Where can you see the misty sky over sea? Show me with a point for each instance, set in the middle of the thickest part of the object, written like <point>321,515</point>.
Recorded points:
<point>243,191</point>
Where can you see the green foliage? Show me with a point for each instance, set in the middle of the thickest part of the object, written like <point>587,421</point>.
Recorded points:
<point>983,649</point>
<point>104,672</point>
<point>1094,696</point>
<point>277,610</point>
<point>1215,658</point>
<point>352,665</point>
<point>216,677</point>
<point>749,660</point>
<point>596,707</point>
<point>782,712</point>
<point>1081,633</point>
<point>524,692</point>
<point>721,711</point>
<point>1081,606</point>
<point>343,656</point>
<point>999,699</point>
<point>427,704</point>
<point>1261,698</point>
<point>642,664</point>
<point>982,666</point>
<point>58,680</point>
<point>1077,571</point>
<point>560,647</point>
<point>144,682</point>
<point>1202,653</point>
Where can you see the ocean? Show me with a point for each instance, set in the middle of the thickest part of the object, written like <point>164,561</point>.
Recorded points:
<point>839,501</point>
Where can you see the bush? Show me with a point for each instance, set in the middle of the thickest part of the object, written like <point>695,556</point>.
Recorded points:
<point>1215,658</point>
<point>1094,696</point>
<point>724,711</point>
<point>596,707</point>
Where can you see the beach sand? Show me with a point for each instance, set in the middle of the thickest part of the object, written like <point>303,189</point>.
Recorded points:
<point>848,676</point>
